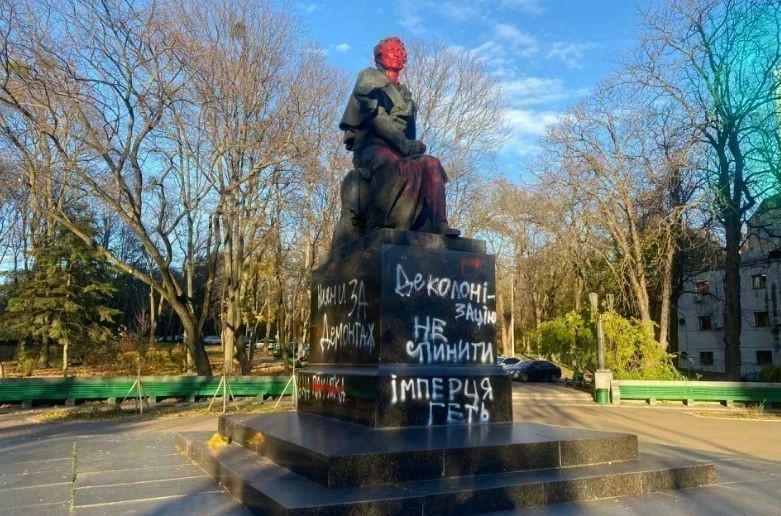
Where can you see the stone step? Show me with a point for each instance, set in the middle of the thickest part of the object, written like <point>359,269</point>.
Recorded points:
<point>340,454</point>
<point>267,488</point>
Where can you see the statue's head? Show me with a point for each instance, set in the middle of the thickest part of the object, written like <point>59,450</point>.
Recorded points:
<point>390,54</point>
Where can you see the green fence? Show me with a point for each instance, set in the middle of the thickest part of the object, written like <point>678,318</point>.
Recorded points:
<point>57,389</point>
<point>691,391</point>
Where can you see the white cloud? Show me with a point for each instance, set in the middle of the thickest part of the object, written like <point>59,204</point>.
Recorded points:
<point>528,6</point>
<point>570,53</point>
<point>526,127</point>
<point>526,122</point>
<point>523,43</point>
<point>495,56</point>
<point>408,16</point>
<point>408,12</point>
<point>310,8</point>
<point>342,48</point>
<point>536,91</point>
<point>460,11</point>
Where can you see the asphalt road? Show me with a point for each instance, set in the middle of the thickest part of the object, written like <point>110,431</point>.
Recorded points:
<point>673,425</point>
<point>132,467</point>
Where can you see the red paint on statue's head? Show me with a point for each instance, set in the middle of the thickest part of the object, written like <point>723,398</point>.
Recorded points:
<point>391,56</point>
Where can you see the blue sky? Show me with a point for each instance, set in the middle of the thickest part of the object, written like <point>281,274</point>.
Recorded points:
<point>546,53</point>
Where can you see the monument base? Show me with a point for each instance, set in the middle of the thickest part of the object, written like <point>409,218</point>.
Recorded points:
<point>297,463</point>
<point>398,395</point>
<point>403,333</point>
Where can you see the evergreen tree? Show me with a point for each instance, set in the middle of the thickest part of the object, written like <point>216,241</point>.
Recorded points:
<point>65,299</point>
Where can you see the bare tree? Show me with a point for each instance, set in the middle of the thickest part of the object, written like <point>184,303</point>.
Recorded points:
<point>718,61</point>
<point>102,77</point>
<point>627,169</point>
<point>266,106</point>
<point>461,120</point>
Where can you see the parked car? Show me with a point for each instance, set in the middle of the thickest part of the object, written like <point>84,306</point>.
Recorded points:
<point>211,340</point>
<point>170,338</point>
<point>258,344</point>
<point>276,350</point>
<point>534,371</point>
<point>301,356</point>
<point>508,361</point>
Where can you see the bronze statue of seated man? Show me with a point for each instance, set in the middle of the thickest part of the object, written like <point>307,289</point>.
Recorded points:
<point>394,184</point>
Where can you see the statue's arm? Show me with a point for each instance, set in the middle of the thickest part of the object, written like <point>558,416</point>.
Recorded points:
<point>367,109</point>
<point>391,129</point>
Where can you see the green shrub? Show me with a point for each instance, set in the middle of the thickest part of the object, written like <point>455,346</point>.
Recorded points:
<point>631,352</point>
<point>127,342</point>
<point>153,360</point>
<point>157,361</point>
<point>179,357</point>
<point>26,362</point>
<point>571,339</point>
<point>128,362</point>
<point>101,354</point>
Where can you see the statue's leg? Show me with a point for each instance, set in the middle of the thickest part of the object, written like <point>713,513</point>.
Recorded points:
<point>391,202</point>
<point>348,228</point>
<point>434,194</point>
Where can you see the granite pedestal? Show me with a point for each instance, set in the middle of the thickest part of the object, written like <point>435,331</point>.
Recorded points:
<point>403,410</point>
<point>403,334</point>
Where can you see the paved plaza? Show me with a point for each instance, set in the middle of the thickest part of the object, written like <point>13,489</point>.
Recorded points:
<point>133,468</point>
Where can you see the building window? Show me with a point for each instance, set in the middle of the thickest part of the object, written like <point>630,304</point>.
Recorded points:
<point>761,319</point>
<point>759,281</point>
<point>764,358</point>
<point>703,287</point>
<point>704,322</point>
<point>706,357</point>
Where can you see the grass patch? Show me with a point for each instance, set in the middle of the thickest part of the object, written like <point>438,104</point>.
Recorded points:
<point>262,365</point>
<point>750,413</point>
<point>103,412</point>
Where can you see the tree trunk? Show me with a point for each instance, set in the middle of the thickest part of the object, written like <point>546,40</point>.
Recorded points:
<point>43,360</point>
<point>228,333</point>
<point>281,325</point>
<point>580,287</point>
<point>252,342</point>
<point>664,311</point>
<point>269,318</point>
<point>502,322</point>
<point>732,305</point>
<point>536,309</point>
<point>189,363</point>
<point>193,345</point>
<point>233,324</point>
<point>512,317</point>
<point>233,340</point>
<point>65,359</point>
<point>152,317</point>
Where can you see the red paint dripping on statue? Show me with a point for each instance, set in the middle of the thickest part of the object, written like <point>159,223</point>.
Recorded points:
<point>391,56</point>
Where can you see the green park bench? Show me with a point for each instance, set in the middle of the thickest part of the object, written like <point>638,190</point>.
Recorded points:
<point>693,391</point>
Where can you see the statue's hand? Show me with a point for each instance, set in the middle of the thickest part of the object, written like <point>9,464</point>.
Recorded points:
<point>417,147</point>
